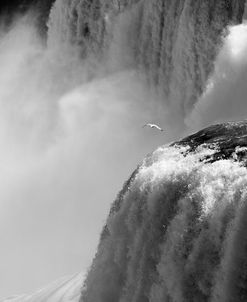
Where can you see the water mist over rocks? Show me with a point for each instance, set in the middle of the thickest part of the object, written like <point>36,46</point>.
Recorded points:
<point>225,95</point>
<point>71,113</point>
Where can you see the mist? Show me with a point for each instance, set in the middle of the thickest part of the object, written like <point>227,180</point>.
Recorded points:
<point>67,145</point>
<point>225,96</point>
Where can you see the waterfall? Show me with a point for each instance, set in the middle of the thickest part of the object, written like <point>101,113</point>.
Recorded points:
<point>177,230</point>
<point>71,115</point>
<point>173,43</point>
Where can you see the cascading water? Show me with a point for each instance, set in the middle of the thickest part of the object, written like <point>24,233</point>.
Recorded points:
<point>178,230</point>
<point>174,43</point>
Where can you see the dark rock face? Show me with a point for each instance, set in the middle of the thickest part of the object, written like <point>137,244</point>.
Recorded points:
<point>224,138</point>
<point>9,9</point>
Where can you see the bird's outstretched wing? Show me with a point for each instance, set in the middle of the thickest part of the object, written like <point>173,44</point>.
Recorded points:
<point>153,126</point>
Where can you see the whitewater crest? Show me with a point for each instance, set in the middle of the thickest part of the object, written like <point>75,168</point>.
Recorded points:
<point>177,230</point>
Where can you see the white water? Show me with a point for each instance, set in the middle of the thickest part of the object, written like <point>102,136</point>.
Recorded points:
<point>178,235</point>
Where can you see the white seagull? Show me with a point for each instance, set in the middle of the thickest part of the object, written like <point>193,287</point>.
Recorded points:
<point>154,126</point>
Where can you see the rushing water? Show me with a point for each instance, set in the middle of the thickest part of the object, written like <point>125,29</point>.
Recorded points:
<point>178,234</point>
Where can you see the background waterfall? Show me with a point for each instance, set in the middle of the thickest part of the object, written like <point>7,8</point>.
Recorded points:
<point>174,43</point>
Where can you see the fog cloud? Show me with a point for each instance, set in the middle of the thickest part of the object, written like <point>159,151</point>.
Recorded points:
<point>67,145</point>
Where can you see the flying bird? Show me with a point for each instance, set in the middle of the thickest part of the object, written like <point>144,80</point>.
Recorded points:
<point>154,126</point>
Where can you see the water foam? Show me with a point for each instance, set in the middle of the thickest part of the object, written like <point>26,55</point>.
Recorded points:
<point>173,234</point>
